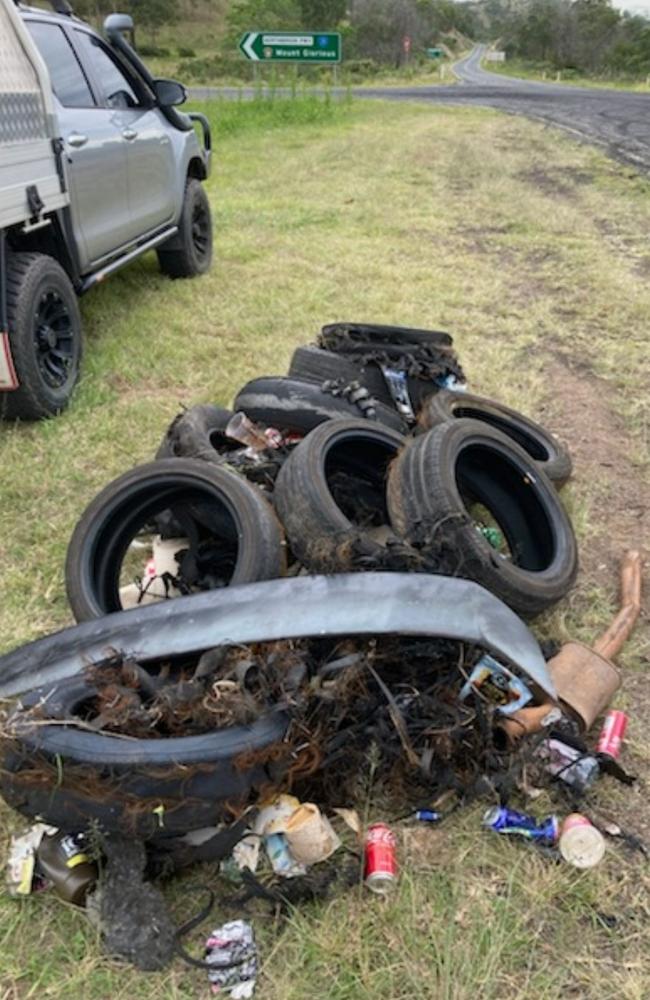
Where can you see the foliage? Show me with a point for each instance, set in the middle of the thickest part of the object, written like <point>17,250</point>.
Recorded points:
<point>589,36</point>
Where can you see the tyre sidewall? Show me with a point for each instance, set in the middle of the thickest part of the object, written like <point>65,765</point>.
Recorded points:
<point>44,275</point>
<point>411,502</point>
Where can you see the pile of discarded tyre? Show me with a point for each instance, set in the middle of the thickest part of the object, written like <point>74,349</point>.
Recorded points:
<point>364,500</point>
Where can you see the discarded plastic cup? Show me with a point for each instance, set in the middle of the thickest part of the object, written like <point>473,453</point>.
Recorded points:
<point>240,428</point>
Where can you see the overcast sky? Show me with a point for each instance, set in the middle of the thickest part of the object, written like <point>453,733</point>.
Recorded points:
<point>634,6</point>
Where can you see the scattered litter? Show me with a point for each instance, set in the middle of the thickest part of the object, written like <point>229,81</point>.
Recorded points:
<point>581,844</point>
<point>22,877</point>
<point>497,685</point>
<point>612,734</point>
<point>232,954</point>
<point>427,816</point>
<point>577,770</point>
<point>63,860</point>
<point>282,861</point>
<point>310,836</point>
<point>250,712</point>
<point>351,819</point>
<point>380,859</point>
<point>507,821</point>
<point>246,854</point>
<point>273,815</point>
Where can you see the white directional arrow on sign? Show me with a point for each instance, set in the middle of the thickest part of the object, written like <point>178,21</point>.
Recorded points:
<point>248,46</point>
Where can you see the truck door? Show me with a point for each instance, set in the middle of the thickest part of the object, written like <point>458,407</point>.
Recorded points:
<point>153,193</point>
<point>94,147</point>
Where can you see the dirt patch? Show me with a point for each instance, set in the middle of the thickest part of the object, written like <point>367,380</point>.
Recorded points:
<point>582,412</point>
<point>550,182</point>
<point>485,239</point>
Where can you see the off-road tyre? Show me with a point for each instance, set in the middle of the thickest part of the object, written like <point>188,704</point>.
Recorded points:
<point>441,473</point>
<point>297,406</point>
<point>45,337</point>
<point>550,455</point>
<point>102,536</point>
<point>320,522</point>
<point>189,252</point>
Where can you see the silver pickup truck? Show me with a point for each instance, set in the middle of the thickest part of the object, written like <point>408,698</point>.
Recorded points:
<point>97,166</point>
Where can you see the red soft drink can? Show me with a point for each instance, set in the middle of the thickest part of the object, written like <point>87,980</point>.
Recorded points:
<point>380,871</point>
<point>613,731</point>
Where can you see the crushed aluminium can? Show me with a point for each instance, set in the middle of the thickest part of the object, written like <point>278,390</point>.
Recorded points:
<point>503,820</point>
<point>612,733</point>
<point>380,869</point>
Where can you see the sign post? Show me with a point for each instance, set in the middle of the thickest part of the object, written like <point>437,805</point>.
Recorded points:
<point>308,47</point>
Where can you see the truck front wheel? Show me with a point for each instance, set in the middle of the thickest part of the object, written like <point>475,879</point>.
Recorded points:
<point>190,251</point>
<point>44,335</point>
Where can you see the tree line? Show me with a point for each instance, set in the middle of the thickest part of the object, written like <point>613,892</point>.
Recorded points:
<point>588,36</point>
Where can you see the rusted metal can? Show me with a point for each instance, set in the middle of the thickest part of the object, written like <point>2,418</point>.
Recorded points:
<point>613,731</point>
<point>380,871</point>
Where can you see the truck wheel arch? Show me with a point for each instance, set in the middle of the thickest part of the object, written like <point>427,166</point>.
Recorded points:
<point>196,168</point>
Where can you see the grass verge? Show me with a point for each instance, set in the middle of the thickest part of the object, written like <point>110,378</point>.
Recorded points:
<point>533,251</point>
<point>526,70</point>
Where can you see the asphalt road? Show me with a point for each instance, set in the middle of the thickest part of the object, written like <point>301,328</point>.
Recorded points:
<point>618,120</point>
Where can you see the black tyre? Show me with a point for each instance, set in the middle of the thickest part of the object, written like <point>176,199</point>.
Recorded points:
<point>458,474</point>
<point>45,337</point>
<point>112,810</point>
<point>189,252</point>
<point>549,454</point>
<point>331,494</point>
<point>374,333</point>
<point>102,749</point>
<point>316,365</point>
<point>199,433</point>
<point>233,533</point>
<point>297,406</point>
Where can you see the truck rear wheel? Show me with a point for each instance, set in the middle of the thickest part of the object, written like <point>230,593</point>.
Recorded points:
<point>189,252</point>
<point>44,334</point>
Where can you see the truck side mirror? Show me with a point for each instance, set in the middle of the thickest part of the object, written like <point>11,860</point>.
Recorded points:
<point>117,23</point>
<point>169,93</point>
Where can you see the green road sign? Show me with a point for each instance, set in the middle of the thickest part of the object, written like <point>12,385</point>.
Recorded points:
<point>434,53</point>
<point>266,46</point>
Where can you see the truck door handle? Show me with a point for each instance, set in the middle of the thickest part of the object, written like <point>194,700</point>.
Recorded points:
<point>129,134</point>
<point>77,140</point>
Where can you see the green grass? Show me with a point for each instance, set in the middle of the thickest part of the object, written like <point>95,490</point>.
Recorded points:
<point>541,71</point>
<point>532,250</point>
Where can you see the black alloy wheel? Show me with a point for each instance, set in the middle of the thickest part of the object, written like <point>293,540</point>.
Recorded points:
<point>201,225</point>
<point>53,339</point>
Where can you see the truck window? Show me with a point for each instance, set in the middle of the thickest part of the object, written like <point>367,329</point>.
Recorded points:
<point>67,77</point>
<point>118,92</point>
